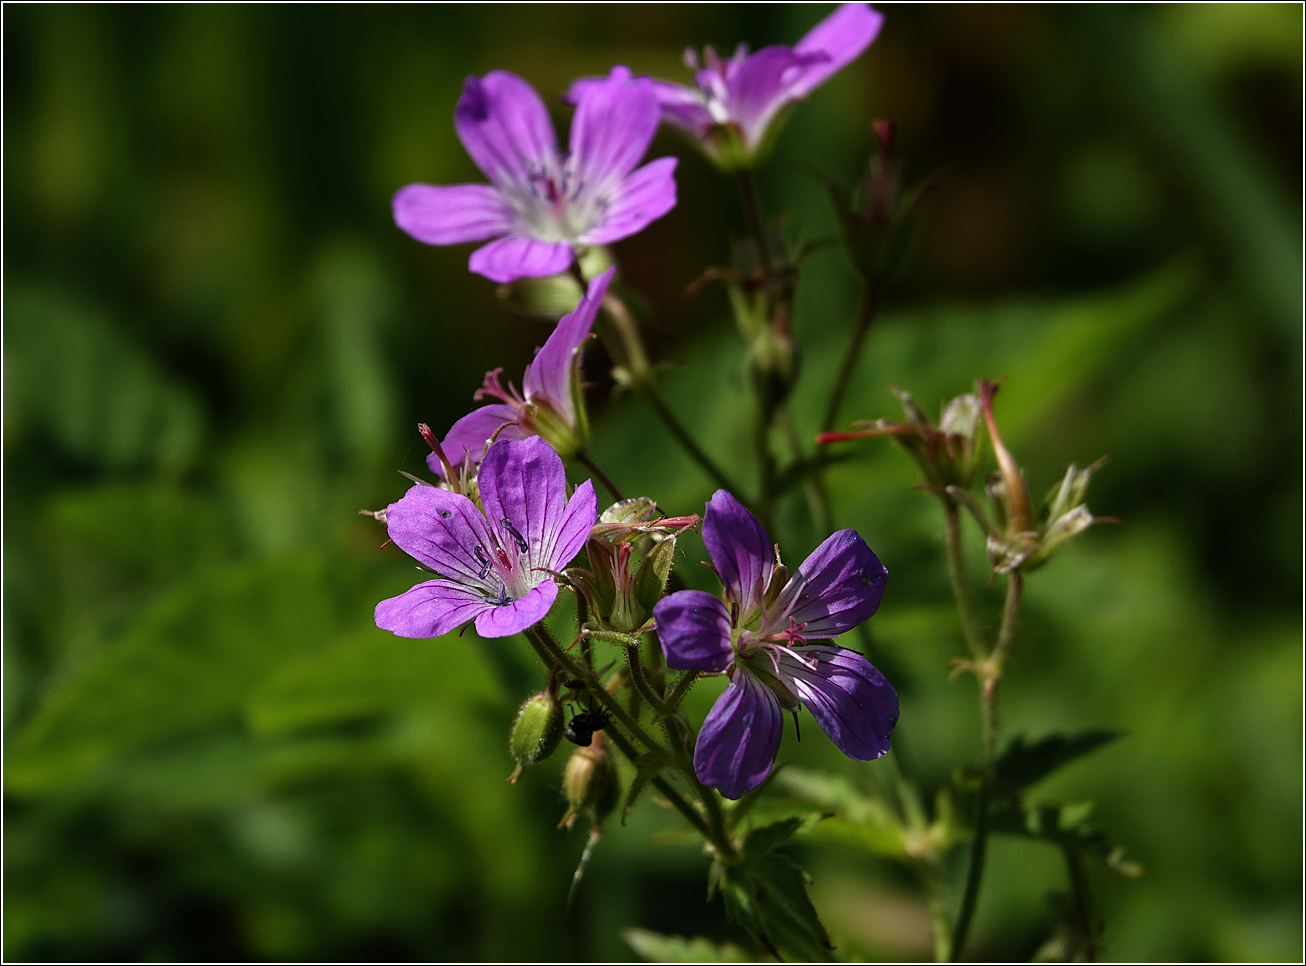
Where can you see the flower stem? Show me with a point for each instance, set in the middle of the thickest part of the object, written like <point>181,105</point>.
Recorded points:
<point>683,684</point>
<point>654,398</point>
<point>973,874</point>
<point>989,672</point>
<point>552,653</point>
<point>960,587</point>
<point>818,501</point>
<point>664,786</point>
<point>635,661</point>
<point>587,461</point>
<point>865,315</point>
<point>756,223</point>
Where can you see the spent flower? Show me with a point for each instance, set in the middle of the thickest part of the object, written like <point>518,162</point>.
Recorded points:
<point>495,562</point>
<point>542,203</point>
<point>550,402</point>
<point>770,634</point>
<point>731,110</point>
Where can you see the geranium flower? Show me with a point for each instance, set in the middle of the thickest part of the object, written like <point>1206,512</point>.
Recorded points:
<point>730,110</point>
<point>542,203</point>
<point>549,404</point>
<point>496,565</point>
<point>770,636</point>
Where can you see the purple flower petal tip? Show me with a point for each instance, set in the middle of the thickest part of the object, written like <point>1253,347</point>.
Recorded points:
<point>738,742</point>
<point>694,628</point>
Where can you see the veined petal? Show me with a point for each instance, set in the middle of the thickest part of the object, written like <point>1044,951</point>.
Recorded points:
<point>848,697</point>
<point>574,527</point>
<point>468,437</point>
<point>740,738</point>
<point>430,609</point>
<point>523,483</point>
<point>549,374</point>
<point>763,84</point>
<point>842,37</point>
<point>505,127</point>
<point>645,196</point>
<point>442,530</point>
<point>517,256</point>
<point>614,124</point>
<point>835,589</point>
<point>740,551</point>
<point>506,619</point>
<point>450,214</point>
<point>683,107</point>
<point>694,630</point>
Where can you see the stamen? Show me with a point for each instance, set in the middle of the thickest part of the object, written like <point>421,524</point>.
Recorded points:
<point>503,558</point>
<point>522,545</point>
<point>483,560</point>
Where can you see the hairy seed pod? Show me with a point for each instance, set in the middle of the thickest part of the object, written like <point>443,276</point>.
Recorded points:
<point>590,782</point>
<point>536,731</point>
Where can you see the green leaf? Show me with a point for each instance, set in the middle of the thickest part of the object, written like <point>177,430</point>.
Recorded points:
<point>187,664</point>
<point>651,580</point>
<point>1064,824</point>
<point>766,894</point>
<point>657,948</point>
<point>646,767</point>
<point>1021,765</point>
<point>370,672</point>
<point>74,379</point>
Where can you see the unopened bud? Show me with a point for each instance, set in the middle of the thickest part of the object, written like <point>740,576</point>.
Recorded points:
<point>536,731</point>
<point>590,782</point>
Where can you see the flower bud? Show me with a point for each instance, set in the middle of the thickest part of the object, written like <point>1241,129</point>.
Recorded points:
<point>590,782</point>
<point>536,731</point>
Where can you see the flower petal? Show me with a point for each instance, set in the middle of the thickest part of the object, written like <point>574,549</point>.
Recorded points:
<point>645,196</point>
<point>549,374</point>
<point>842,37</point>
<point>683,107</point>
<point>500,621</point>
<point>449,214</point>
<point>442,530</point>
<point>505,127</point>
<point>763,84</point>
<point>740,551</point>
<point>468,437</point>
<point>848,697</point>
<point>694,629</point>
<point>516,256</point>
<point>740,738</point>
<point>836,588</point>
<point>613,126</point>
<point>430,609</point>
<point>524,483</point>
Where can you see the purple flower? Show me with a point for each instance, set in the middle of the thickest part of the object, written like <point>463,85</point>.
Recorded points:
<point>760,637</point>
<point>543,203</point>
<point>730,110</point>
<point>495,566</point>
<point>549,404</point>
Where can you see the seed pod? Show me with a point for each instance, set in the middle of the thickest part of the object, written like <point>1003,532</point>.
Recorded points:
<point>590,782</point>
<point>536,731</point>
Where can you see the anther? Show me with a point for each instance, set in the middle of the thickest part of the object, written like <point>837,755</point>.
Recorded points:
<point>516,535</point>
<point>483,560</point>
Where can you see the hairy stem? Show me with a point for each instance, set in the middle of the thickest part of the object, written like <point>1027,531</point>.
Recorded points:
<point>665,787</point>
<point>552,653</point>
<point>865,315</point>
<point>669,419</point>
<point>818,501</point>
<point>596,471</point>
<point>683,684</point>
<point>756,223</point>
<point>960,586</point>
<point>635,661</point>
<point>973,874</point>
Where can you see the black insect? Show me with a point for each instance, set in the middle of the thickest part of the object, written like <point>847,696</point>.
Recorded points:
<point>580,729</point>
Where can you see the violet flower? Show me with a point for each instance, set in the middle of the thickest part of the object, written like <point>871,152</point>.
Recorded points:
<point>549,403</point>
<point>543,203</point>
<point>770,637</point>
<point>730,110</point>
<point>495,566</point>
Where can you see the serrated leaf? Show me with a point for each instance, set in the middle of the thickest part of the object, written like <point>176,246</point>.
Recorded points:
<point>646,767</point>
<point>1021,765</point>
<point>767,896</point>
<point>657,948</point>
<point>1065,824</point>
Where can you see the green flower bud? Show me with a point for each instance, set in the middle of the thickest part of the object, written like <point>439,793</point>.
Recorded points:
<point>590,782</point>
<point>536,731</point>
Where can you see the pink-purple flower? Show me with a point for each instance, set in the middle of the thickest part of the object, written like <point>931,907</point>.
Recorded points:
<point>771,635</point>
<point>730,109</point>
<point>495,565</point>
<point>542,203</point>
<point>549,403</point>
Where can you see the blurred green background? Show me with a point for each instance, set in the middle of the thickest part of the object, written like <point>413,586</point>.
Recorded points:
<point>217,346</point>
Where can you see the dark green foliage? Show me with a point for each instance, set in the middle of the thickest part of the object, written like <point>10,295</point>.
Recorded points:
<point>1021,765</point>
